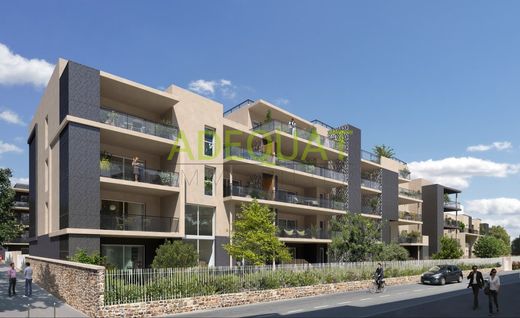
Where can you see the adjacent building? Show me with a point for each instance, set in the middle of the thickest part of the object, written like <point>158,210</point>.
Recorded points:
<point>117,167</point>
<point>21,212</point>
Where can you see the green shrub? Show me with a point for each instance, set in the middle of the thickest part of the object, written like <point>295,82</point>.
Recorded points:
<point>269,282</point>
<point>81,256</point>
<point>175,254</point>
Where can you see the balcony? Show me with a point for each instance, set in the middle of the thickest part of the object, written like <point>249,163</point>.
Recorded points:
<point>122,169</point>
<point>282,196</point>
<point>22,218</point>
<point>21,204</point>
<point>293,165</point>
<point>451,223</point>
<point>304,233</point>
<point>405,215</point>
<point>139,223</point>
<point>371,184</point>
<point>416,195</point>
<point>126,121</point>
<point>473,231</point>
<point>411,238</point>
<point>371,210</point>
<point>452,205</point>
<point>24,238</point>
<point>370,157</point>
<point>275,125</point>
<point>405,174</point>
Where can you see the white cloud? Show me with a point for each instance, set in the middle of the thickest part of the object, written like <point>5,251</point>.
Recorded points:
<point>281,101</point>
<point>497,211</point>
<point>498,145</point>
<point>223,87</point>
<point>5,148</point>
<point>11,117</point>
<point>16,69</point>
<point>19,180</point>
<point>457,172</point>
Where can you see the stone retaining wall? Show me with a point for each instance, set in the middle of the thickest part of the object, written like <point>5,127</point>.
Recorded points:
<point>183,305</point>
<point>79,285</point>
<point>82,287</point>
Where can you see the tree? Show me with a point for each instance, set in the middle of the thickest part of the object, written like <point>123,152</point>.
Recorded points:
<point>490,246</point>
<point>175,254</point>
<point>254,236</point>
<point>357,238</point>
<point>384,151</point>
<point>10,228</point>
<point>392,252</point>
<point>500,233</point>
<point>450,249</point>
<point>515,246</point>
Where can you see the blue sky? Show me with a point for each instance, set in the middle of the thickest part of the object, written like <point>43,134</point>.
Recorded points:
<point>429,79</point>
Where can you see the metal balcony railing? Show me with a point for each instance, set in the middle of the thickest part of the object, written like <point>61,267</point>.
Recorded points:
<point>237,107</point>
<point>407,238</point>
<point>371,184</point>
<point>282,196</point>
<point>368,209</point>
<point>21,204</point>
<point>452,205</point>
<point>410,193</point>
<point>313,136</point>
<point>366,155</point>
<point>138,223</point>
<point>309,233</point>
<point>121,168</point>
<point>405,215</point>
<point>126,121</point>
<point>451,223</point>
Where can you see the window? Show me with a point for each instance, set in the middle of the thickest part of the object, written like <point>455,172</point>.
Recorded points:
<point>46,132</point>
<point>209,180</point>
<point>122,216</point>
<point>124,256</point>
<point>205,250</point>
<point>199,220</point>
<point>209,141</point>
<point>287,224</point>
<point>46,177</point>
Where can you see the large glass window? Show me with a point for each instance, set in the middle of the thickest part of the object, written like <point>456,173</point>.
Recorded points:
<point>124,256</point>
<point>199,220</point>
<point>123,216</point>
<point>209,141</point>
<point>205,250</point>
<point>209,180</point>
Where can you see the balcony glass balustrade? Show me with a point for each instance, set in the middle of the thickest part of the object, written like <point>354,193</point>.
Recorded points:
<point>366,155</point>
<point>282,196</point>
<point>295,165</point>
<point>145,223</point>
<point>452,205</point>
<point>410,193</point>
<point>405,215</point>
<point>126,121</point>
<point>275,125</point>
<point>308,233</point>
<point>21,204</point>
<point>121,168</point>
<point>371,184</point>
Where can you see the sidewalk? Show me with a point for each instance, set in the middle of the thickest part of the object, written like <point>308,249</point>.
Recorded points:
<point>41,303</point>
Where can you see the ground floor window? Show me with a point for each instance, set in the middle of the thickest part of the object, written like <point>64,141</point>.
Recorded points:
<point>205,248</point>
<point>124,256</point>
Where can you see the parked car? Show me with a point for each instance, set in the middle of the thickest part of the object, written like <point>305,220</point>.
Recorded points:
<point>442,274</point>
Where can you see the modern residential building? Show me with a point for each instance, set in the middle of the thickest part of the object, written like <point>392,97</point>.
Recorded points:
<point>21,212</point>
<point>118,167</point>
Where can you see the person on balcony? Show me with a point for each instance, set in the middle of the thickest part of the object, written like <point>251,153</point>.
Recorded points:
<point>292,126</point>
<point>137,168</point>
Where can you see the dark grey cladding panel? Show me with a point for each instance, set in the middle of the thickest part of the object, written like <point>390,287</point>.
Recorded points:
<point>433,215</point>
<point>89,243</point>
<point>79,92</point>
<point>221,256</point>
<point>79,177</point>
<point>33,177</point>
<point>390,194</point>
<point>354,181</point>
<point>45,246</point>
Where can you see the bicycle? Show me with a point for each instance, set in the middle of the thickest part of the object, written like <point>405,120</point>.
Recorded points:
<point>375,288</point>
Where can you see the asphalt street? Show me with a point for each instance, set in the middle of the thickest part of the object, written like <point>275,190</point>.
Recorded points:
<point>413,300</point>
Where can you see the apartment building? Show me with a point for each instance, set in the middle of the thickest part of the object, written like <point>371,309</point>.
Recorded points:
<point>21,212</point>
<point>117,167</point>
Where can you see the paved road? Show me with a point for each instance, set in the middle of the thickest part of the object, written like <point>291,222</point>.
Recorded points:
<point>415,300</point>
<point>41,302</point>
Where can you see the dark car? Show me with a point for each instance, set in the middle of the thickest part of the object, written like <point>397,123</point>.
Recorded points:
<point>442,274</point>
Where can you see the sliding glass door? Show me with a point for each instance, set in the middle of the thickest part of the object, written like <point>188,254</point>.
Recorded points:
<point>124,256</point>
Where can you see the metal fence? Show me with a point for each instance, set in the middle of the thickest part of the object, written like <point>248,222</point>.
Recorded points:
<point>141,285</point>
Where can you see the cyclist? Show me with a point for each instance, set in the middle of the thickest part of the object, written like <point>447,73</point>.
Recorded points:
<point>379,276</point>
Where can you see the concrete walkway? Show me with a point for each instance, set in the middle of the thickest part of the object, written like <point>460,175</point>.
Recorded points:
<point>41,303</point>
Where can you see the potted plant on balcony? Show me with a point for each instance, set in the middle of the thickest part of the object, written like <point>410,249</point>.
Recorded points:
<point>373,203</point>
<point>462,226</point>
<point>405,173</point>
<point>314,231</point>
<point>414,236</point>
<point>105,163</point>
<point>268,116</point>
<point>166,178</point>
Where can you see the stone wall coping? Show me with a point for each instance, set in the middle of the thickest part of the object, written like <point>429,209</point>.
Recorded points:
<point>66,263</point>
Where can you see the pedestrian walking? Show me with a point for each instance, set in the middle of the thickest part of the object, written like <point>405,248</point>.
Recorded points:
<point>494,286</point>
<point>476,282</point>
<point>11,275</point>
<point>27,274</point>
